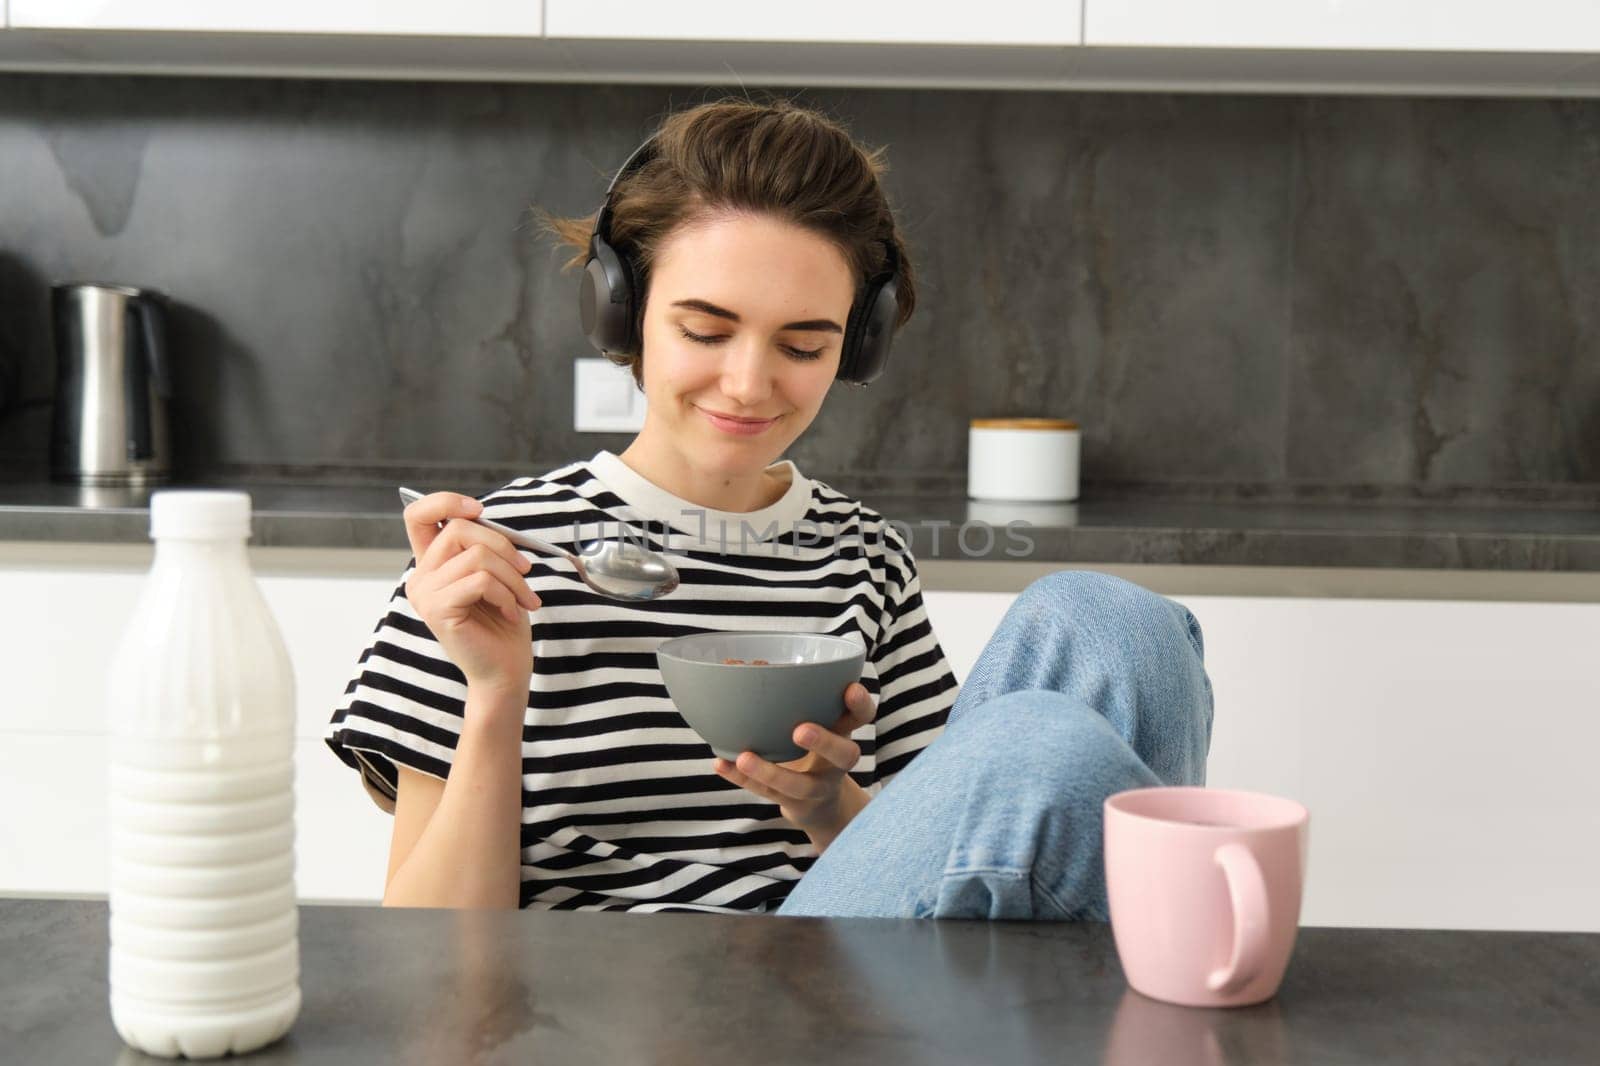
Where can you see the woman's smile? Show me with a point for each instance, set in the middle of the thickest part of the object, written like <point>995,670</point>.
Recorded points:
<point>736,425</point>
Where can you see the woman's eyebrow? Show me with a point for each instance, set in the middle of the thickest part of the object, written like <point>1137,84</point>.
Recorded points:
<point>823,325</point>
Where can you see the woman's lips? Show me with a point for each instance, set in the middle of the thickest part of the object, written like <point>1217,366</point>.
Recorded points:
<point>737,427</point>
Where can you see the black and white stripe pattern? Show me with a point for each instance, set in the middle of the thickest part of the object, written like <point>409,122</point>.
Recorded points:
<point>621,810</point>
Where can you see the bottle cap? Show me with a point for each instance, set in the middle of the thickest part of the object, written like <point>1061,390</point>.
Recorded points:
<point>200,514</point>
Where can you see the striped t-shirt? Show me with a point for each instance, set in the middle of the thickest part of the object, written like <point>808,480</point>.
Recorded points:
<point>621,809</point>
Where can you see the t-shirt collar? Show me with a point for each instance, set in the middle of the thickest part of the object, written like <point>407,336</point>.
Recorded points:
<point>658,505</point>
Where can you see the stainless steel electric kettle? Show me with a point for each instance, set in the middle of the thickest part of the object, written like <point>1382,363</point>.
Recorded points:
<point>113,381</point>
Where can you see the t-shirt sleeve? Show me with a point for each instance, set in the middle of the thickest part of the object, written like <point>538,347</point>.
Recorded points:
<point>916,687</point>
<point>403,705</point>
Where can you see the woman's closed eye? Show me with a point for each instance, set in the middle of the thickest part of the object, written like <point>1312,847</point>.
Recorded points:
<point>798,353</point>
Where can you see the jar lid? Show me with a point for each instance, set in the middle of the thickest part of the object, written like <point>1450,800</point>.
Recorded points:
<point>1023,423</point>
<point>200,514</point>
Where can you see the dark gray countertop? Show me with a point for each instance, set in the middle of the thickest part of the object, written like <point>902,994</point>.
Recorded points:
<point>1446,535</point>
<point>434,987</point>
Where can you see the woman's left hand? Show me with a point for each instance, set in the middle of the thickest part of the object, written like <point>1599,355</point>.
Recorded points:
<point>814,791</point>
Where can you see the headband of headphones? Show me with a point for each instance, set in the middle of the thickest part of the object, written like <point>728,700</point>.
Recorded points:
<point>612,288</point>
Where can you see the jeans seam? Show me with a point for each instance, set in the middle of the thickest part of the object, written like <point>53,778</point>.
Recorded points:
<point>1041,889</point>
<point>1014,871</point>
<point>1196,638</point>
<point>1018,872</point>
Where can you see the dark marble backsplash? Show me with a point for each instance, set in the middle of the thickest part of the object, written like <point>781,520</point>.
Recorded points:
<point>1262,294</point>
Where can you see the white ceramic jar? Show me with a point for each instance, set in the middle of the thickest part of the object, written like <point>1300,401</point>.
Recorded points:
<point>1025,459</point>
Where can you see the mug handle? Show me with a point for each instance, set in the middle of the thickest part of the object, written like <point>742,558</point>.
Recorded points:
<point>1247,888</point>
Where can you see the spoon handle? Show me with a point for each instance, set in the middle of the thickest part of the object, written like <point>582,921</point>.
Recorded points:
<point>515,536</point>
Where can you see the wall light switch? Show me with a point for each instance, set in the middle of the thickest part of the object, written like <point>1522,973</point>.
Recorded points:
<point>605,399</point>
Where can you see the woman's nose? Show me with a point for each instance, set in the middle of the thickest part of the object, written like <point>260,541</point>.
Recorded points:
<point>746,375</point>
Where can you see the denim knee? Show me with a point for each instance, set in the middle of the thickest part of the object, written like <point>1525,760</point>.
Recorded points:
<point>1054,740</point>
<point>1109,596</point>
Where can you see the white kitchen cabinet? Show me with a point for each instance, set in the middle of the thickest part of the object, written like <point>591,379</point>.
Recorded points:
<point>1541,48</point>
<point>54,838</point>
<point>58,655</point>
<point>53,752</point>
<point>461,18</point>
<point>1443,747</point>
<point>1354,25</point>
<point>1004,22</point>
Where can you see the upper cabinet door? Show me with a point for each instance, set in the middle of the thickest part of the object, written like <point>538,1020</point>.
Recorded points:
<point>1013,22</point>
<point>471,18</point>
<point>1355,25</point>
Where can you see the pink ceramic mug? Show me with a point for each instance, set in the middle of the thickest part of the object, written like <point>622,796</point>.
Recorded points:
<point>1204,886</point>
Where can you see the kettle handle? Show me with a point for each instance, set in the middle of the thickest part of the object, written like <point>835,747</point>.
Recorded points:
<point>146,369</point>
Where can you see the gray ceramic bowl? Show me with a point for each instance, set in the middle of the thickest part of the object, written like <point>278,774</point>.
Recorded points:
<point>756,708</point>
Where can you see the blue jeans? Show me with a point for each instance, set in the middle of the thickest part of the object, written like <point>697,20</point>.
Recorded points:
<point>1090,685</point>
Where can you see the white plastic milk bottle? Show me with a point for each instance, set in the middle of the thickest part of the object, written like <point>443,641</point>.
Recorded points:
<point>205,953</point>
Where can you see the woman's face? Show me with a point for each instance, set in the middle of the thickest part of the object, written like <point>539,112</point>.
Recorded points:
<point>744,320</point>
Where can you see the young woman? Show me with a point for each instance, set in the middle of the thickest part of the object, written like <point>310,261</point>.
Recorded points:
<point>756,262</point>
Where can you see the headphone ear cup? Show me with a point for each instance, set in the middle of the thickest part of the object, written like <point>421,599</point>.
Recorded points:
<point>635,326</point>
<point>605,299</point>
<point>849,357</point>
<point>869,332</point>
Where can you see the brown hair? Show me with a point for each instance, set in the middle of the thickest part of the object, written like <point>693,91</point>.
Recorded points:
<point>774,158</point>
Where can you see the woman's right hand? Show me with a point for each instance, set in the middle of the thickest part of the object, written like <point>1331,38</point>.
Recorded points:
<point>469,587</point>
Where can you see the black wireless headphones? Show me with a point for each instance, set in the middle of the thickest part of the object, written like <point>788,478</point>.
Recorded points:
<point>612,288</point>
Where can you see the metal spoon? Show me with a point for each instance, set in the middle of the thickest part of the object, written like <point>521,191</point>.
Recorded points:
<point>621,569</point>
